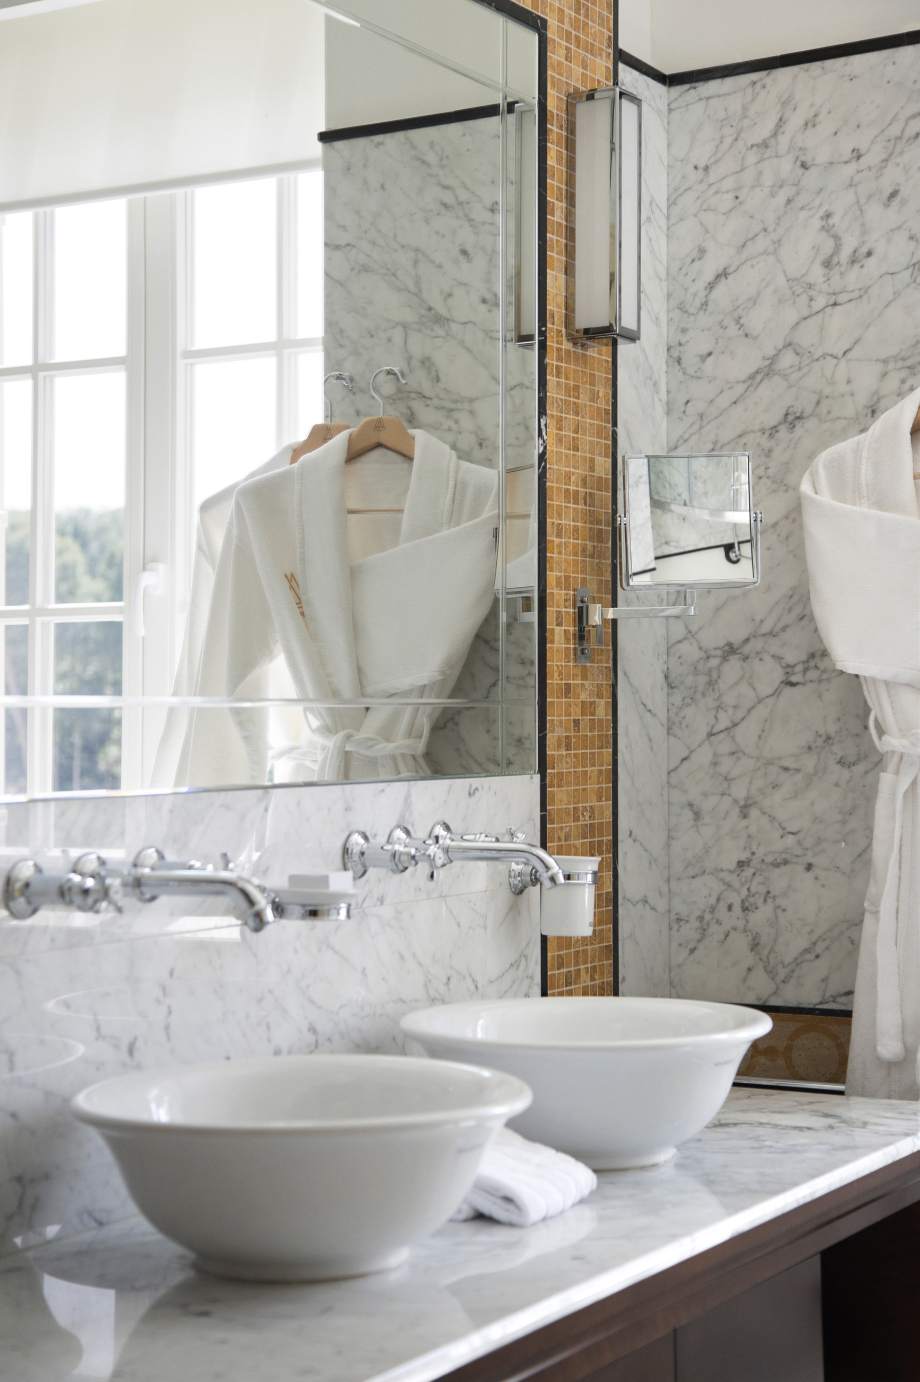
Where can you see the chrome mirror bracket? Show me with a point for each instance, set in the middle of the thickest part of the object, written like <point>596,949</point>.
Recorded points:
<point>590,616</point>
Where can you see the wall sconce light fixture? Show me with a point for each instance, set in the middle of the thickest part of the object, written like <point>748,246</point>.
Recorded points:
<point>523,194</point>
<point>603,296</point>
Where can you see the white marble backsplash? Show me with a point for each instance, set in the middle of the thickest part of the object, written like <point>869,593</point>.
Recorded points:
<point>642,696</point>
<point>794,297</point>
<point>82,998</point>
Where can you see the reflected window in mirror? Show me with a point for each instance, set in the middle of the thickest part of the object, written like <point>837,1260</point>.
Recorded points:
<point>240,371</point>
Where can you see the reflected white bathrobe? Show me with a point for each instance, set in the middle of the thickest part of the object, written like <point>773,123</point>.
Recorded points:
<point>396,624</point>
<point>862,540</point>
<point>213,519</point>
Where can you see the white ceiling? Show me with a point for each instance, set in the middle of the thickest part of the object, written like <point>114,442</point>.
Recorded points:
<point>676,35</point>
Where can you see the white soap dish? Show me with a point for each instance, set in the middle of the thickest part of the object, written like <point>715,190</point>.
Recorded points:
<point>317,896</point>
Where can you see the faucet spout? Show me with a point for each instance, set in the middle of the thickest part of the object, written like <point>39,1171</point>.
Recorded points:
<point>485,848</point>
<point>254,905</point>
<point>528,865</point>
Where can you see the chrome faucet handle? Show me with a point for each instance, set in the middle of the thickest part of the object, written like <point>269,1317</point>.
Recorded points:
<point>148,858</point>
<point>86,887</point>
<point>515,837</point>
<point>437,849</point>
<point>403,850</point>
<point>114,893</point>
<point>400,852</point>
<point>18,896</point>
<point>145,862</point>
<point>522,876</point>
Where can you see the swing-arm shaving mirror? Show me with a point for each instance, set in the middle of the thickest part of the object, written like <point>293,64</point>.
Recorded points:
<point>688,522</point>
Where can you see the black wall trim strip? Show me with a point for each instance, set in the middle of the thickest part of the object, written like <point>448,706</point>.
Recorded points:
<point>801,1012</point>
<point>646,68</point>
<point>739,69</point>
<point>837,50</point>
<point>411,122</point>
<point>519,12</point>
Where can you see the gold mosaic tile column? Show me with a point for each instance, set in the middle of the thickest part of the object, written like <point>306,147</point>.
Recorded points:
<point>579,703</point>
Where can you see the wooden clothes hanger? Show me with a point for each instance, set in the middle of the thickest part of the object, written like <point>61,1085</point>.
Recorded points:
<point>324,431</point>
<point>383,430</point>
<point>317,436</point>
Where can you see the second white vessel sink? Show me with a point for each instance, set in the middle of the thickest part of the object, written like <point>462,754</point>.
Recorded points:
<point>617,1082</point>
<point>301,1168</point>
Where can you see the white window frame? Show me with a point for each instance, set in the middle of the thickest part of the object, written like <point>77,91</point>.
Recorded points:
<point>160,524</point>
<point>42,612</point>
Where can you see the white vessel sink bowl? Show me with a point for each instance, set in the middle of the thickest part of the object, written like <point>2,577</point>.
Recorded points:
<point>301,1168</point>
<point>617,1082</point>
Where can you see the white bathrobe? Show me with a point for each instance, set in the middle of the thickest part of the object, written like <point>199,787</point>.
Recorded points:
<point>213,518</point>
<point>397,624</point>
<point>862,540</point>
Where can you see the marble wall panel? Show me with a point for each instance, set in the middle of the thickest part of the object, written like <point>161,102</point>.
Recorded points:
<point>793,298</point>
<point>83,998</point>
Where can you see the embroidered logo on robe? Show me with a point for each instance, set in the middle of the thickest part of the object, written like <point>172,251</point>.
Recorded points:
<point>293,585</point>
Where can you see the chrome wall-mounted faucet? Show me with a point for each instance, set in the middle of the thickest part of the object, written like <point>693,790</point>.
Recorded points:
<point>529,865</point>
<point>92,885</point>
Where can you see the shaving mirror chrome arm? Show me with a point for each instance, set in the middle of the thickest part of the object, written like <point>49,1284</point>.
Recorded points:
<point>92,885</point>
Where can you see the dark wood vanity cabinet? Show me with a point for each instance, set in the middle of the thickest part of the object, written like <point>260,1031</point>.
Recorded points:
<point>829,1292</point>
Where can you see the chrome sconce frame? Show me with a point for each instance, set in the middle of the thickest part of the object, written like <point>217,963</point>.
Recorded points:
<point>604,259</point>
<point>523,191</point>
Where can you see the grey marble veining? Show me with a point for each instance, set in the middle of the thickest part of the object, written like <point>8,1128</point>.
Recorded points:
<point>794,293</point>
<point>85,997</point>
<point>642,706</point>
<point>412,278</point>
<point>123,1305</point>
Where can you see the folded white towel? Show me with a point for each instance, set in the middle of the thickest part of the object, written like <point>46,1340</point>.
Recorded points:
<point>521,1182</point>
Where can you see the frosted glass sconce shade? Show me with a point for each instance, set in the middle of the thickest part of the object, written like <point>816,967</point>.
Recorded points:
<point>604,282</point>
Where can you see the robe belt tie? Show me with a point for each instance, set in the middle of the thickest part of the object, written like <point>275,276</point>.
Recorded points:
<point>336,746</point>
<point>889,1030</point>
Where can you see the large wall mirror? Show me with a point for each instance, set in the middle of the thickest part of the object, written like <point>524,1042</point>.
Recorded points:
<point>271,340</point>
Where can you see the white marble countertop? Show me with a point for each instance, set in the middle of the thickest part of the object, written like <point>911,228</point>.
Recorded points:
<point>123,1304</point>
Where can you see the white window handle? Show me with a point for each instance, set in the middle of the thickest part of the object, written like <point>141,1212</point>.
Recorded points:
<point>152,579</point>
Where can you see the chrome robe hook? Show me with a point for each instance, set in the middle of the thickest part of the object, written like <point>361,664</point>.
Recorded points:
<point>395,371</point>
<point>340,377</point>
